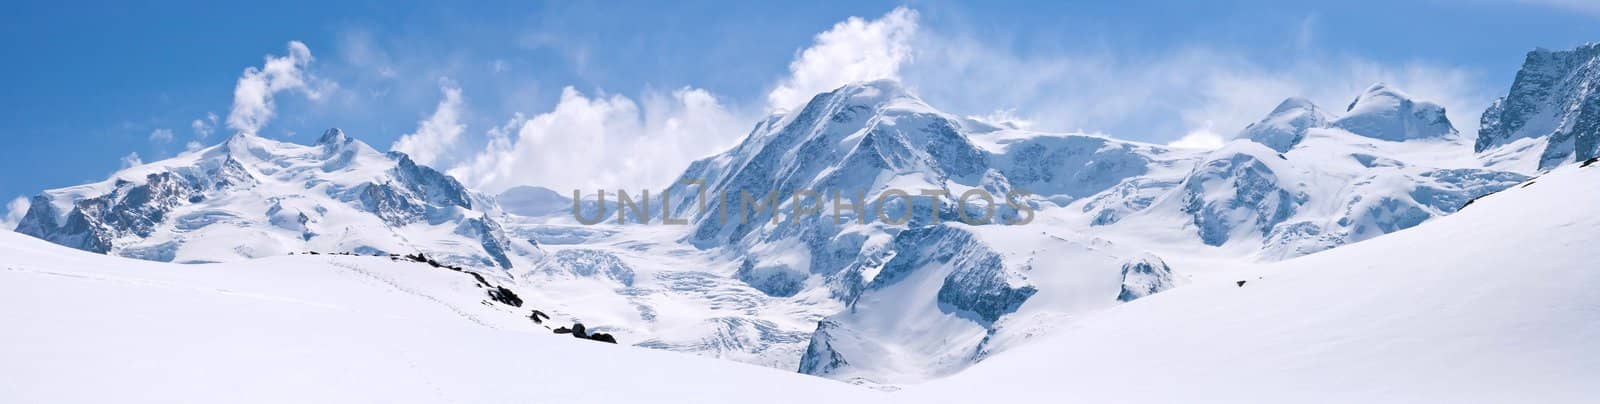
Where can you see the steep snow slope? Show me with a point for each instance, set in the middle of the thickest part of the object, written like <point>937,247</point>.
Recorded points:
<point>1492,304</point>
<point>1551,115</point>
<point>253,197</point>
<point>83,327</point>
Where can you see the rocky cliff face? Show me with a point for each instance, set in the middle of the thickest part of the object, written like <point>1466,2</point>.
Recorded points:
<point>1554,103</point>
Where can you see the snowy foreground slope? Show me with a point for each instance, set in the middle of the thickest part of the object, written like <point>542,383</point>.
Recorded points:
<point>1493,304</point>
<point>83,327</point>
<point>1496,303</point>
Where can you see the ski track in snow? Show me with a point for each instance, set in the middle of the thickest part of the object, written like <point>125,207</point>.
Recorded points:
<point>409,291</point>
<point>175,286</point>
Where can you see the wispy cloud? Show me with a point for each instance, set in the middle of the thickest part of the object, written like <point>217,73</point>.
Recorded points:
<point>14,212</point>
<point>1164,96</point>
<point>853,50</point>
<point>436,136</point>
<point>204,127</point>
<point>1201,139</point>
<point>131,160</point>
<point>161,135</point>
<point>253,95</point>
<point>1192,96</point>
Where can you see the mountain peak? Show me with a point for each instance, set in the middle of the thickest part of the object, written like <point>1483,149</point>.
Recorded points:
<point>1387,113</point>
<point>887,86</point>
<point>1287,124</point>
<point>278,197</point>
<point>1294,104</point>
<point>872,93</point>
<point>333,136</point>
<point>1377,92</point>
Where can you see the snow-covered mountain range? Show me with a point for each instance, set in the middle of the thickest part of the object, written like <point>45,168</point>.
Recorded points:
<point>253,197</point>
<point>1438,312</point>
<point>1085,224</point>
<point>1303,180</point>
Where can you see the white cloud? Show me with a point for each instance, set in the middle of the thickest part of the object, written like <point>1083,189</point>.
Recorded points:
<point>604,142</point>
<point>131,160</point>
<point>1004,118</point>
<point>437,135</point>
<point>853,50</point>
<point>14,212</point>
<point>1193,97</point>
<point>1163,96</point>
<point>192,146</point>
<point>161,135</point>
<point>205,126</point>
<point>1201,139</point>
<point>253,104</point>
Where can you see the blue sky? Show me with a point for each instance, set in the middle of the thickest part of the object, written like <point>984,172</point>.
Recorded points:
<point>564,86</point>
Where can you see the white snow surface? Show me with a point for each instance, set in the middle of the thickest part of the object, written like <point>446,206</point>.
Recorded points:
<point>82,327</point>
<point>1492,304</point>
<point>865,303</point>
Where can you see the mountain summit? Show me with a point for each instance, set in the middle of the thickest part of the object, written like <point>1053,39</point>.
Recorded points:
<point>1381,112</point>
<point>1287,124</point>
<point>1386,113</point>
<point>253,197</point>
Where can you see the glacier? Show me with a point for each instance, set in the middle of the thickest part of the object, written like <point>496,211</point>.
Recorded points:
<point>1109,223</point>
